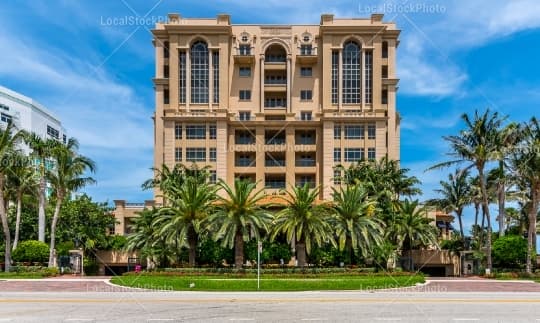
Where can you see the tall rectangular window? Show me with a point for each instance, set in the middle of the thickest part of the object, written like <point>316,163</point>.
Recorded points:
<point>244,115</point>
<point>384,97</point>
<point>195,154</point>
<point>196,131</point>
<point>384,71</point>
<point>166,71</point>
<point>213,131</point>
<point>166,96</point>
<point>354,132</point>
<point>371,131</point>
<point>352,73</point>
<point>337,177</point>
<point>166,49</point>
<point>182,76</point>
<point>178,131</point>
<point>215,63</point>
<point>213,154</point>
<point>305,115</point>
<point>306,95</point>
<point>244,50</point>
<point>368,77</point>
<point>384,49</point>
<point>244,95</point>
<point>178,155</point>
<point>244,71</point>
<point>213,177</point>
<point>306,71</point>
<point>335,76</point>
<point>354,154</point>
<point>306,50</point>
<point>200,62</point>
<point>337,155</point>
<point>337,132</point>
<point>371,153</point>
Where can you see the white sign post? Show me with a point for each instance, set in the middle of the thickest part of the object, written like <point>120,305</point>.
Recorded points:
<point>259,250</point>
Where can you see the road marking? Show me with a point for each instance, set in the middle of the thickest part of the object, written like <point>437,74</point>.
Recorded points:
<point>314,319</point>
<point>76,320</point>
<point>388,319</point>
<point>466,319</point>
<point>241,319</point>
<point>275,300</point>
<point>6,320</point>
<point>159,320</point>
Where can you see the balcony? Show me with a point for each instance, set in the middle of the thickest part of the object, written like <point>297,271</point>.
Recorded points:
<point>275,141</point>
<point>275,103</point>
<point>244,55</point>
<point>274,163</point>
<point>274,83</point>
<point>307,55</point>
<point>306,162</point>
<point>245,163</point>
<point>275,182</point>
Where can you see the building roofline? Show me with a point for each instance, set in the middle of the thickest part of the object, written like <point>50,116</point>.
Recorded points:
<point>29,102</point>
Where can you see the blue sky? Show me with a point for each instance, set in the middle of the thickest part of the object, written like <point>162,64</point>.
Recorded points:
<point>91,62</point>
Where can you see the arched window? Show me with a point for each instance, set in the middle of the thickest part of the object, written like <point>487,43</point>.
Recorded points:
<point>352,76</point>
<point>199,72</point>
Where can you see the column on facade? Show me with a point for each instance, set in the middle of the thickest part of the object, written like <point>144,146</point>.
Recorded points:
<point>327,158</point>
<point>289,105</point>
<point>210,79</point>
<point>340,79</point>
<point>363,81</point>
<point>174,86</point>
<point>188,79</point>
<point>261,85</point>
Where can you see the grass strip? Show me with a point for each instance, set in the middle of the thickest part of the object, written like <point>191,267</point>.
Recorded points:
<point>268,283</point>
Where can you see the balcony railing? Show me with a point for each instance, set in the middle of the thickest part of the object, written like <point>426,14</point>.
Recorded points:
<point>275,141</point>
<point>274,163</point>
<point>305,163</point>
<point>311,184</point>
<point>275,81</point>
<point>275,104</point>
<point>275,184</point>
<point>244,141</point>
<point>275,59</point>
<point>245,163</point>
<point>305,141</point>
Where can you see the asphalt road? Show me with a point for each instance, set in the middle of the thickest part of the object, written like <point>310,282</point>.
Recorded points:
<point>348,306</point>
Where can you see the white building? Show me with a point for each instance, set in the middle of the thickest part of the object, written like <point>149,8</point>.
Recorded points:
<point>27,114</point>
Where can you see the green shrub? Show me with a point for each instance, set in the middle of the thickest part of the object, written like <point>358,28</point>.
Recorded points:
<point>509,251</point>
<point>116,242</point>
<point>63,248</point>
<point>91,267</point>
<point>31,251</point>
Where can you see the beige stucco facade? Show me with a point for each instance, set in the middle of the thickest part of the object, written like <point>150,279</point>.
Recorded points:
<point>279,104</point>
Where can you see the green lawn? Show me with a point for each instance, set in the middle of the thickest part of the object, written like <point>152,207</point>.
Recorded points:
<point>268,283</point>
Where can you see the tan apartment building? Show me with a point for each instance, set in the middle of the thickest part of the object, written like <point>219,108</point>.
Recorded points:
<point>279,104</point>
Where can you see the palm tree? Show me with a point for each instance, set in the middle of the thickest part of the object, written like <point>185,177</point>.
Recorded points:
<point>477,146</point>
<point>41,151</point>
<point>66,177</point>
<point>505,141</point>
<point>144,236</point>
<point>188,205</point>
<point>22,179</point>
<point>412,228</point>
<point>8,141</point>
<point>304,222</point>
<point>354,222</point>
<point>526,162</point>
<point>456,195</point>
<point>238,217</point>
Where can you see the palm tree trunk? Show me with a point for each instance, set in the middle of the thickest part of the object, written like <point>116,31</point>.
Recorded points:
<point>238,250</point>
<point>41,208</point>
<point>52,256</point>
<point>17,220</point>
<point>5,227</point>
<point>192,240</point>
<point>502,215</point>
<point>531,236</point>
<point>460,218</point>
<point>348,244</point>
<point>485,207</point>
<point>301,253</point>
